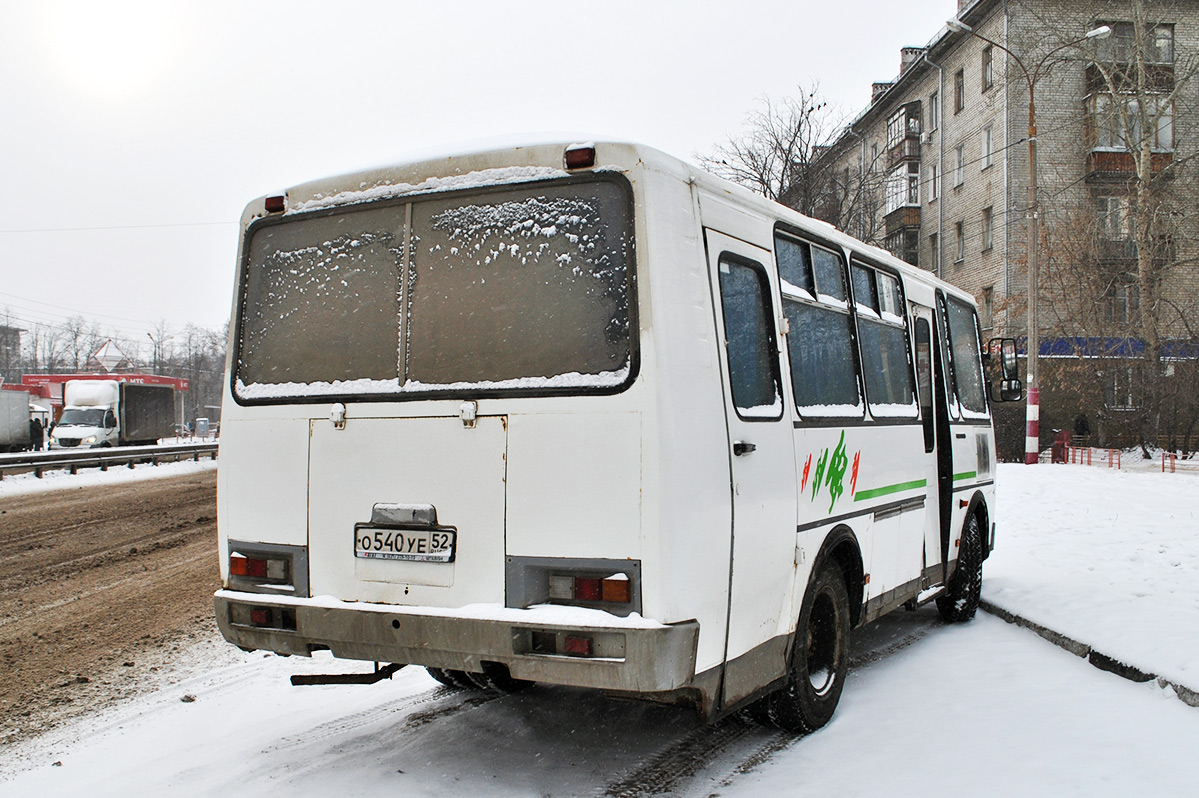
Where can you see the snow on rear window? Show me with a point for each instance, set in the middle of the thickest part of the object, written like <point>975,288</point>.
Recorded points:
<point>523,289</point>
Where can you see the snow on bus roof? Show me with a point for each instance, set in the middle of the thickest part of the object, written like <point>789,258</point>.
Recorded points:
<point>385,189</point>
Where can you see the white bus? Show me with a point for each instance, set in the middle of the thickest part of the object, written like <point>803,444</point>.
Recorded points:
<point>587,415</point>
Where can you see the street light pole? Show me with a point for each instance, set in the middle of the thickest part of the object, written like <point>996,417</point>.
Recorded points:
<point>1032,433</point>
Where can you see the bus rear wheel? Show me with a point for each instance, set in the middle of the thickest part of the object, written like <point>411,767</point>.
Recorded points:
<point>443,676</point>
<point>820,659</point>
<point>960,600</point>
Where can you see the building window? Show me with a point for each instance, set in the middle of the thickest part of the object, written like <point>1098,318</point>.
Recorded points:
<point>934,110</point>
<point>1121,48</point>
<point>934,181</point>
<point>988,145</point>
<point>1113,218</point>
<point>987,70</point>
<point>902,187</point>
<point>959,230</point>
<point>987,228</point>
<point>1118,124</point>
<point>959,165</point>
<point>1122,302</point>
<point>897,128</point>
<point>1119,388</point>
<point>873,157</point>
<point>986,308</point>
<point>934,245</point>
<point>959,91</point>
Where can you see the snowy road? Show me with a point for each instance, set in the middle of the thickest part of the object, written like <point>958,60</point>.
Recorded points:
<point>987,707</point>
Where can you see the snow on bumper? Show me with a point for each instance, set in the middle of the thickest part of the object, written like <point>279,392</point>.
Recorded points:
<point>631,654</point>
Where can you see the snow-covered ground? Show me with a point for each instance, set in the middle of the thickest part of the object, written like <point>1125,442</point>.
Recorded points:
<point>986,708</point>
<point>1108,558</point>
<point>19,484</point>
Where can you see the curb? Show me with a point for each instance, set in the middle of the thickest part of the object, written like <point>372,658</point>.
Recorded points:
<point>1100,660</point>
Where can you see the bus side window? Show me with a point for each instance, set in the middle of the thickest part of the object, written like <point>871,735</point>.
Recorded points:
<point>924,379</point>
<point>883,340</point>
<point>969,383</point>
<point>945,361</point>
<point>750,340</point>
<point>820,344</point>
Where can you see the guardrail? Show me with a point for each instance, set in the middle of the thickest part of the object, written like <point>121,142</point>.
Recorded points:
<point>74,459</point>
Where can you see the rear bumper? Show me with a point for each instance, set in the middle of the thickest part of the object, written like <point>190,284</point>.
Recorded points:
<point>631,655</point>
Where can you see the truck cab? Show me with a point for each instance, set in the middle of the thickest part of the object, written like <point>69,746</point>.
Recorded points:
<point>90,415</point>
<point>85,426</point>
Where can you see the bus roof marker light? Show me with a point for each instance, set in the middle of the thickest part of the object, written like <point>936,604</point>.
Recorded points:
<point>580,156</point>
<point>276,204</point>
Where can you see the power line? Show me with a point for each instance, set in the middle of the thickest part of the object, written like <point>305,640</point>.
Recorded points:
<point>73,311</point>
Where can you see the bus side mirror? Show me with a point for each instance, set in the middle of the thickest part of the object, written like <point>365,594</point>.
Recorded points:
<point>1011,389</point>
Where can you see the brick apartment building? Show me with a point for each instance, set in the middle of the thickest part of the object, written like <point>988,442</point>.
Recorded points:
<point>942,151</point>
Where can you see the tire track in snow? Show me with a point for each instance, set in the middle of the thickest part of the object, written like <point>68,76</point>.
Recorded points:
<point>672,770</point>
<point>346,725</point>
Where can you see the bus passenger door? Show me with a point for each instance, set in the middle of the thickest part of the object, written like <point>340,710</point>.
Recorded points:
<point>934,418</point>
<point>760,449</point>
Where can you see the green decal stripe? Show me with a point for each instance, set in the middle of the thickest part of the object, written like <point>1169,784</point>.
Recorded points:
<point>965,475</point>
<point>862,495</point>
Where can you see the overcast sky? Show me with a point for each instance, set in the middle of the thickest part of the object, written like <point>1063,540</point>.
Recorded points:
<point>134,133</point>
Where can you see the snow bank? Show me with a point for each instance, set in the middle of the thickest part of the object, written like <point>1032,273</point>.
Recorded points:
<point>1109,558</point>
<point>21,484</point>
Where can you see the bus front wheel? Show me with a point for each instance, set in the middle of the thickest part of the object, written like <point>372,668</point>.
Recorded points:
<point>960,600</point>
<point>820,659</point>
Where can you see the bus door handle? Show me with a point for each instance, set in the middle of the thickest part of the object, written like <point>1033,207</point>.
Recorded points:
<point>743,447</point>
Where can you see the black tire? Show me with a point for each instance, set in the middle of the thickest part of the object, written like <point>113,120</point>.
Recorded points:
<point>820,659</point>
<point>442,676</point>
<point>759,711</point>
<point>461,679</point>
<point>960,600</point>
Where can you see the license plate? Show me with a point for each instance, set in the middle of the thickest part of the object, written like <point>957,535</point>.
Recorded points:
<point>422,545</point>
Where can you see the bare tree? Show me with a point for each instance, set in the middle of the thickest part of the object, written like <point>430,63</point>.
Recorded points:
<point>781,154</point>
<point>776,154</point>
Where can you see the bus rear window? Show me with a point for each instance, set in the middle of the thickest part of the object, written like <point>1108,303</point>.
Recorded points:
<point>512,290</point>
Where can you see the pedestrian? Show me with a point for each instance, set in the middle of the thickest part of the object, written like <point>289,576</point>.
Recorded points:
<point>35,434</point>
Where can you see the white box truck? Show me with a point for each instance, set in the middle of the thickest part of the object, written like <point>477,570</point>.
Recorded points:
<point>14,421</point>
<point>110,413</point>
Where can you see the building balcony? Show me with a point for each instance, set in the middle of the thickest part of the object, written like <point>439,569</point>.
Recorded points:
<point>1123,252</point>
<point>1158,78</point>
<point>905,216</point>
<point>1116,250</point>
<point>908,149</point>
<point>1120,166</point>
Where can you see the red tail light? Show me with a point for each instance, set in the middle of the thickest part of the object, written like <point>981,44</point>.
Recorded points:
<point>588,589</point>
<point>577,646</point>
<point>615,589</point>
<point>253,567</point>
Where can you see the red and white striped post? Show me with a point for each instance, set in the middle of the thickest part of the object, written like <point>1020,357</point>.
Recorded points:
<point>1032,434</point>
